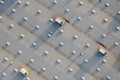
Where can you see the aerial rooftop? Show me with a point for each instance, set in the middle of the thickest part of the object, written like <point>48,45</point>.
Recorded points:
<point>59,39</point>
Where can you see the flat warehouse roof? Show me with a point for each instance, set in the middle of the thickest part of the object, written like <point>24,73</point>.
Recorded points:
<point>31,42</point>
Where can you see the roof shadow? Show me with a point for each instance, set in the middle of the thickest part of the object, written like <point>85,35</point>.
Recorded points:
<point>18,76</point>
<point>44,37</point>
<point>6,5</point>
